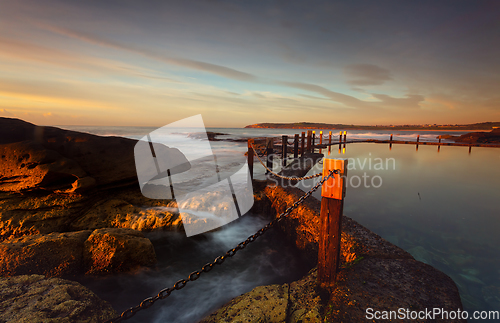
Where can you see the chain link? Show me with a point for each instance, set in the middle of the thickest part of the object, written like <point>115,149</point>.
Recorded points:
<point>281,176</point>
<point>164,293</point>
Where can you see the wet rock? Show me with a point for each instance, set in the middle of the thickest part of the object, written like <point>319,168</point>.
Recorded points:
<point>34,213</point>
<point>114,250</point>
<point>55,254</point>
<point>120,213</point>
<point>262,304</point>
<point>36,299</point>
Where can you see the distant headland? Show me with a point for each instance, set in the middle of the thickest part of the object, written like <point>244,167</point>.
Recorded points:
<point>314,125</point>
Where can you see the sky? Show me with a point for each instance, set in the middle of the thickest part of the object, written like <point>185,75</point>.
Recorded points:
<point>240,62</point>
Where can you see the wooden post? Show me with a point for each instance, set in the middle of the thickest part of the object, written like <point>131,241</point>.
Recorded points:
<point>250,158</point>
<point>269,153</point>
<point>303,143</point>
<point>296,146</point>
<point>345,134</point>
<point>313,141</point>
<point>439,146</point>
<point>284,144</point>
<point>309,134</point>
<point>418,139</point>
<point>340,137</point>
<point>329,142</point>
<point>332,205</point>
<point>470,148</point>
<point>391,137</point>
<point>320,140</point>
<point>390,144</point>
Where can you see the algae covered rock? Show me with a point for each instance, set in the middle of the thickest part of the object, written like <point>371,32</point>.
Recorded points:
<point>114,250</point>
<point>36,299</point>
<point>54,254</point>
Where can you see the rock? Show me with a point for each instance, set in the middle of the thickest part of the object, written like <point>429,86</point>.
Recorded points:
<point>113,250</point>
<point>120,213</point>
<point>48,158</point>
<point>263,304</point>
<point>28,165</point>
<point>36,299</point>
<point>40,213</point>
<point>480,137</point>
<point>55,254</point>
<point>302,225</point>
<point>389,284</point>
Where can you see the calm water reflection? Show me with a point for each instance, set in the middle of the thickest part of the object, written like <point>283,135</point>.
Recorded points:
<point>442,207</point>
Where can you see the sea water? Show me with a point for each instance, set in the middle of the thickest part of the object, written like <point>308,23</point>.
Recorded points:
<point>439,205</point>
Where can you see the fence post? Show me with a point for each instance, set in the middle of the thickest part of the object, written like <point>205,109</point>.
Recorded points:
<point>313,141</point>
<point>303,143</point>
<point>296,146</point>
<point>309,134</point>
<point>284,144</point>
<point>250,158</point>
<point>332,205</point>
<point>329,142</point>
<point>320,140</point>
<point>269,152</point>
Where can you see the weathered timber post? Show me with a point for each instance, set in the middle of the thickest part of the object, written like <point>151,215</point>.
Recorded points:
<point>296,146</point>
<point>439,146</point>
<point>340,137</point>
<point>250,158</point>
<point>269,153</point>
<point>313,141</point>
<point>303,143</point>
<point>332,205</point>
<point>418,139</point>
<point>390,144</point>
<point>309,134</point>
<point>284,144</point>
<point>345,135</point>
<point>329,142</point>
<point>320,140</point>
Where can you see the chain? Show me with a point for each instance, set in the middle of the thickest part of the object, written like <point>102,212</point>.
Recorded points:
<point>164,293</point>
<point>281,176</point>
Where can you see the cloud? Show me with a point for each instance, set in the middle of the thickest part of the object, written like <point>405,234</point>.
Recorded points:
<point>366,74</point>
<point>345,99</point>
<point>411,101</point>
<point>189,63</point>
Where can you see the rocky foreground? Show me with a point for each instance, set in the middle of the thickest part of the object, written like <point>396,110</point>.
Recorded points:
<point>70,204</point>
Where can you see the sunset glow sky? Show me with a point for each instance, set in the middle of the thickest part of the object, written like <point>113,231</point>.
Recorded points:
<point>149,63</point>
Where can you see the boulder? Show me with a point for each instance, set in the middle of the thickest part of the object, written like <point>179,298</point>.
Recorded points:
<point>36,299</point>
<point>262,304</point>
<point>54,254</point>
<point>38,157</point>
<point>113,250</point>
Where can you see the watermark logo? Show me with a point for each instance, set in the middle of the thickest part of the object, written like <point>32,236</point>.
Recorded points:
<point>176,161</point>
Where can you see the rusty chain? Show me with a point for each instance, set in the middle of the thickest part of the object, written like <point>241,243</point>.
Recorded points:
<point>281,176</point>
<point>164,293</point>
